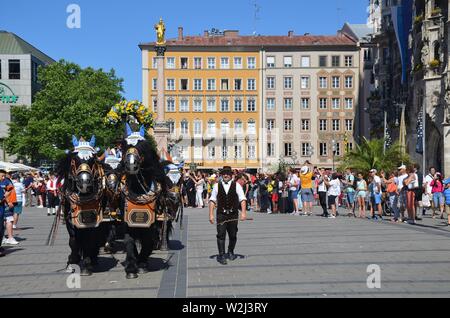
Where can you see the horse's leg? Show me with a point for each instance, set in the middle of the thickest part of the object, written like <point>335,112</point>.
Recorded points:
<point>87,246</point>
<point>147,237</point>
<point>75,256</point>
<point>131,268</point>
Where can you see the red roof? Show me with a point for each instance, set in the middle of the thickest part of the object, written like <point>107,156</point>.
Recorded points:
<point>295,40</point>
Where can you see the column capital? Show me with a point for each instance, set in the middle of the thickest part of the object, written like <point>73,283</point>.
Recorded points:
<point>160,50</point>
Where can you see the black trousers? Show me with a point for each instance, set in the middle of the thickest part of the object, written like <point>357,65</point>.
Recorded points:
<point>146,237</point>
<point>323,202</point>
<point>229,227</point>
<point>51,199</point>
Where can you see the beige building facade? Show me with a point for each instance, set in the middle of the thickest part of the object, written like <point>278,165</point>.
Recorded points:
<point>310,98</point>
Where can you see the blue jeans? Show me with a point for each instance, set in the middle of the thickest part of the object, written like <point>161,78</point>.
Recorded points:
<point>2,224</point>
<point>393,199</point>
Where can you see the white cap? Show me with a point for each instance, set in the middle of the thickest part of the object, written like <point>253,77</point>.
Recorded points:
<point>402,167</point>
<point>304,170</point>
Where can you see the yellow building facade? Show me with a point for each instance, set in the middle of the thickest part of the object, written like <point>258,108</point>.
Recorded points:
<point>212,104</point>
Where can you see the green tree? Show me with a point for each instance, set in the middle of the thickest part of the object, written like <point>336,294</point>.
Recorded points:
<point>73,101</point>
<point>370,154</point>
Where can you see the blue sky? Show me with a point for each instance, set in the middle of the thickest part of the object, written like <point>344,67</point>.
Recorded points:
<point>112,29</point>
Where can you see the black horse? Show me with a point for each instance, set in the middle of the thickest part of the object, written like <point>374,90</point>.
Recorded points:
<point>112,225</point>
<point>81,197</point>
<point>145,182</point>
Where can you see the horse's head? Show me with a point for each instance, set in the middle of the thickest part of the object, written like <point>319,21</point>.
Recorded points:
<point>133,159</point>
<point>84,168</point>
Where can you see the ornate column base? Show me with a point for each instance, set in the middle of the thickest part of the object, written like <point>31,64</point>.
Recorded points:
<point>161,133</point>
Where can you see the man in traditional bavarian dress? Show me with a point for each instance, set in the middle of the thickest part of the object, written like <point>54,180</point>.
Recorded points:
<point>228,197</point>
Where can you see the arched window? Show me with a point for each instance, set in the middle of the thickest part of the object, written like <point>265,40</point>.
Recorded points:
<point>171,124</point>
<point>225,127</point>
<point>238,127</point>
<point>211,127</point>
<point>251,127</point>
<point>184,127</point>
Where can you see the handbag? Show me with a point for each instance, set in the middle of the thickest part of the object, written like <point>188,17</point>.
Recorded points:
<point>426,201</point>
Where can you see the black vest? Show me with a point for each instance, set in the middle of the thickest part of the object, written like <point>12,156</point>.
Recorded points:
<point>227,203</point>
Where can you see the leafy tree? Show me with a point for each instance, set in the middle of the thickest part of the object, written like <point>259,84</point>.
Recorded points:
<point>73,101</point>
<point>370,155</point>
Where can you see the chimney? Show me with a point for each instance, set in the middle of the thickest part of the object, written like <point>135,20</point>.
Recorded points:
<point>206,33</point>
<point>290,34</point>
<point>180,33</point>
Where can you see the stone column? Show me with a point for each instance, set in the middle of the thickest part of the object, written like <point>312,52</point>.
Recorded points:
<point>161,130</point>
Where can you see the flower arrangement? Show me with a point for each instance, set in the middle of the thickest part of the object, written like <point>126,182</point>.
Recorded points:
<point>134,110</point>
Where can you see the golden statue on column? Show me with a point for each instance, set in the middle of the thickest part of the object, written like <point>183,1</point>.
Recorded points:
<point>160,32</point>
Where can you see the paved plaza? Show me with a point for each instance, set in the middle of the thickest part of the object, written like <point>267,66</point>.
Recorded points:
<point>279,256</point>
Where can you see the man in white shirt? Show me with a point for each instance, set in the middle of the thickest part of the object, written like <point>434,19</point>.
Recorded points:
<point>322,191</point>
<point>294,183</point>
<point>401,188</point>
<point>377,193</point>
<point>427,187</point>
<point>228,197</point>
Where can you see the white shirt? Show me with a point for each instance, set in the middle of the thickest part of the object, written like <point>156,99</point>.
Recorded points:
<point>401,178</point>
<point>20,189</point>
<point>376,184</point>
<point>51,185</point>
<point>294,180</point>
<point>322,186</point>
<point>428,180</point>
<point>335,188</point>
<point>415,183</point>
<point>239,191</point>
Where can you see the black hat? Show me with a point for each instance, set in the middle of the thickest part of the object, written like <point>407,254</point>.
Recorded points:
<point>226,170</point>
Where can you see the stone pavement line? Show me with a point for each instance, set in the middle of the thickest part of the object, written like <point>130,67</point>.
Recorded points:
<point>317,257</point>
<point>34,270</point>
<point>174,280</point>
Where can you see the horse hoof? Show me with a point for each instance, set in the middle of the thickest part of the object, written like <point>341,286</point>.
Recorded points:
<point>86,272</point>
<point>132,275</point>
<point>143,268</point>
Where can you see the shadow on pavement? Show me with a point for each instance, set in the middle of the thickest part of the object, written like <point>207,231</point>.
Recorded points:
<point>105,264</point>
<point>24,228</point>
<point>10,250</point>
<point>239,256</point>
<point>157,264</point>
<point>175,245</point>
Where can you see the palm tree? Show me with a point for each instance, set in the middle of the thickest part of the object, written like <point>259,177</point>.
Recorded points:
<point>370,154</point>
